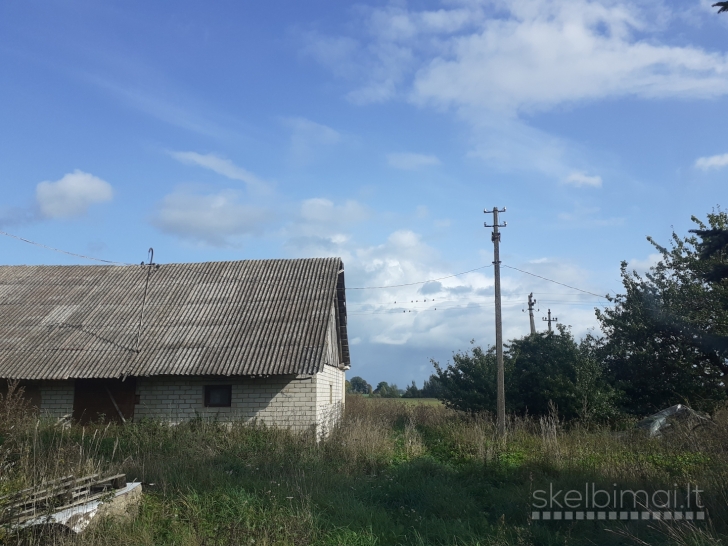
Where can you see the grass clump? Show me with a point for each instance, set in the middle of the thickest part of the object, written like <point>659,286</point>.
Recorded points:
<point>389,473</point>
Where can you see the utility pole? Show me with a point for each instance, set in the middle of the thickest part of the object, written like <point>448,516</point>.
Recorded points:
<point>501,391</point>
<point>549,320</point>
<point>531,303</point>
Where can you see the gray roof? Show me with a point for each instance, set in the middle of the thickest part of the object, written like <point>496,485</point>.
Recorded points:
<point>252,317</point>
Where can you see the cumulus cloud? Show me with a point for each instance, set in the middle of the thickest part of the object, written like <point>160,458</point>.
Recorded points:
<point>411,161</point>
<point>548,52</point>
<point>216,219</point>
<point>221,166</point>
<point>72,195</point>
<point>525,55</point>
<point>711,162</point>
<point>580,179</point>
<point>494,63</point>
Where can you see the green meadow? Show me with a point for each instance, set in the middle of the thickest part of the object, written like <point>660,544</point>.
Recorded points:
<point>392,472</point>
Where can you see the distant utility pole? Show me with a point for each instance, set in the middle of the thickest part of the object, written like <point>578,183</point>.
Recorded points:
<point>549,320</point>
<point>531,303</point>
<point>501,394</point>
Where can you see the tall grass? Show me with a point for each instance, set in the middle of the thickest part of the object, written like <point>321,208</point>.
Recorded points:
<point>389,473</point>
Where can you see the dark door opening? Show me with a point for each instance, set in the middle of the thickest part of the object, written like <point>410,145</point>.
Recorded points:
<point>30,392</point>
<point>110,400</point>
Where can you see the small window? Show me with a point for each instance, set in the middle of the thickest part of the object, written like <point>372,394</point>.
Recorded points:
<point>331,393</point>
<point>218,396</point>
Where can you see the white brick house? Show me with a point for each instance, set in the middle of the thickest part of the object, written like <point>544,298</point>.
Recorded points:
<point>258,340</point>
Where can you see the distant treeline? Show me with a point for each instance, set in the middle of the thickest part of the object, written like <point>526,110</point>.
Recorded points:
<point>430,389</point>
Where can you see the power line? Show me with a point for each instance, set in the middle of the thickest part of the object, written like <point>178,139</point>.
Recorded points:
<point>418,282</point>
<point>402,311</point>
<point>555,282</point>
<point>402,300</point>
<point>111,262</point>
<point>61,251</point>
<point>413,304</point>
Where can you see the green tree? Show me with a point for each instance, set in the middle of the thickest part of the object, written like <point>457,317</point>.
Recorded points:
<point>546,367</point>
<point>469,383</point>
<point>412,391</point>
<point>666,335</point>
<point>385,390</point>
<point>543,369</point>
<point>596,397</point>
<point>539,368</point>
<point>360,386</point>
<point>432,388</point>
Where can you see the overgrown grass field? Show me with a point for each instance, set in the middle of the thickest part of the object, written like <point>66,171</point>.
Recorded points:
<point>390,473</point>
<point>426,401</point>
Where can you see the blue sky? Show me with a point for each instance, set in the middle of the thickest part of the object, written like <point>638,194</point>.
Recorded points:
<point>377,132</point>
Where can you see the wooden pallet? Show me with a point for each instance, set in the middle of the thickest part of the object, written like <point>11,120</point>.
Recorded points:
<point>55,495</point>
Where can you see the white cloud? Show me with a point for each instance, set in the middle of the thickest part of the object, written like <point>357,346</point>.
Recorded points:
<point>711,162</point>
<point>217,219</point>
<point>308,138</point>
<point>72,195</point>
<point>221,166</point>
<point>411,161</point>
<point>494,62</point>
<point>550,52</point>
<point>580,179</point>
<point>523,55</point>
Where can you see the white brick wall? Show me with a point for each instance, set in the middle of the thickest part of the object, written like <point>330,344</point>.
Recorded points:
<point>284,401</point>
<point>329,397</point>
<point>56,398</point>
<point>330,382</point>
<point>278,400</point>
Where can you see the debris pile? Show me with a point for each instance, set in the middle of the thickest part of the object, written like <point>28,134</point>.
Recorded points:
<point>70,502</point>
<point>662,421</point>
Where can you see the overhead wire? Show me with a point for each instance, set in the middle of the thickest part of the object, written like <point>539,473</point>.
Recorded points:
<point>555,282</point>
<point>403,310</point>
<point>580,299</point>
<point>470,271</point>
<point>111,262</point>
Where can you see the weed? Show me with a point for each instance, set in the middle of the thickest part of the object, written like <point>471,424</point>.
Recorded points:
<point>389,473</point>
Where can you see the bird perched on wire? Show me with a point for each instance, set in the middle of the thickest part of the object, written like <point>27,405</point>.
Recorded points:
<point>723,6</point>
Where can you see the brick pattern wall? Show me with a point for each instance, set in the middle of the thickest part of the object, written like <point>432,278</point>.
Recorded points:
<point>279,400</point>
<point>56,398</point>
<point>329,397</point>
<point>330,387</point>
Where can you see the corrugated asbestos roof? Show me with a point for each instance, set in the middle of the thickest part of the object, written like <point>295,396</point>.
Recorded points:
<point>252,317</point>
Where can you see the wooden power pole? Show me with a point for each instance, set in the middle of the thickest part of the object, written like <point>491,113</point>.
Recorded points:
<point>501,391</point>
<point>549,320</point>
